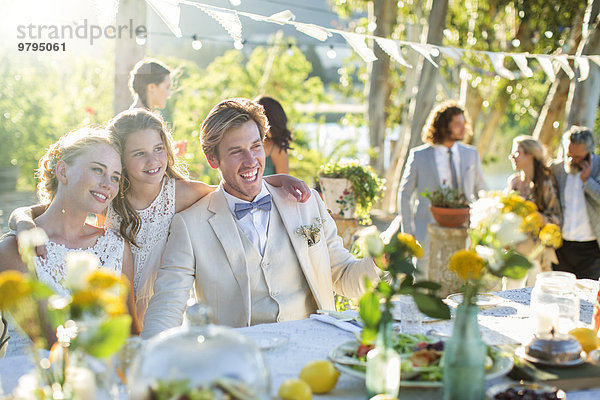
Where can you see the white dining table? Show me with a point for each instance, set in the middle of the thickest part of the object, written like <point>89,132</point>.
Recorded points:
<point>306,340</point>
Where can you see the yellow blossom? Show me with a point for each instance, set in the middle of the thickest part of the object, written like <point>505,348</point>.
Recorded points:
<point>13,288</point>
<point>86,297</point>
<point>102,278</point>
<point>114,304</point>
<point>411,243</point>
<point>550,236</point>
<point>466,264</point>
<point>532,223</point>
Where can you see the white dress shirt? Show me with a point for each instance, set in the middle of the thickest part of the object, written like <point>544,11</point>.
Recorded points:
<point>576,224</point>
<point>254,224</point>
<point>442,161</point>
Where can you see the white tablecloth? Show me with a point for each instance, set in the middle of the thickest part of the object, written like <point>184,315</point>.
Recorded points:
<point>309,340</point>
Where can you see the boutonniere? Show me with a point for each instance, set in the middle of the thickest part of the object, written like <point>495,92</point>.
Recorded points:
<point>312,232</point>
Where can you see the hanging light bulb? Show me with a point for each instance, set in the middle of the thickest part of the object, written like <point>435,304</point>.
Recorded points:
<point>289,51</point>
<point>238,44</point>
<point>331,53</point>
<point>235,3</point>
<point>196,43</point>
<point>140,36</point>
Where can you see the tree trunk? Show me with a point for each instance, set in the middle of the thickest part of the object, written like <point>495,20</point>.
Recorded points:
<point>493,120</point>
<point>473,106</point>
<point>386,12</point>
<point>422,104</point>
<point>132,13</point>
<point>583,96</point>
<point>553,109</point>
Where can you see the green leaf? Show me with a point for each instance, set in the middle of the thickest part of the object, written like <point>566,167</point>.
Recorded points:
<point>368,335</point>
<point>384,288</point>
<point>431,306</point>
<point>428,285</point>
<point>109,337</point>
<point>515,266</point>
<point>369,310</point>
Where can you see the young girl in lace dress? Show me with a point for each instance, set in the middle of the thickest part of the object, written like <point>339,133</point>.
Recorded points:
<point>79,175</point>
<point>153,189</point>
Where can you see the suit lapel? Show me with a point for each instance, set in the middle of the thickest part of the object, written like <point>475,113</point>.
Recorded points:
<point>226,230</point>
<point>430,155</point>
<point>292,220</point>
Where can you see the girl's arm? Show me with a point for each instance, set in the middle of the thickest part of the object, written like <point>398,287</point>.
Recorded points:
<point>189,192</point>
<point>22,219</point>
<point>127,270</point>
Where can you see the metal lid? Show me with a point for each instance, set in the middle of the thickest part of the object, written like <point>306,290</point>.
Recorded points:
<point>554,349</point>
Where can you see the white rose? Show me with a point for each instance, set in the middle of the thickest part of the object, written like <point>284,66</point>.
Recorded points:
<point>508,230</point>
<point>79,265</point>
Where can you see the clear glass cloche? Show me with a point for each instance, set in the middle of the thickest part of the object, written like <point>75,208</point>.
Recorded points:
<point>199,361</point>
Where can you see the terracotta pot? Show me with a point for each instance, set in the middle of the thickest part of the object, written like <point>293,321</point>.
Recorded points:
<point>338,196</point>
<point>450,217</point>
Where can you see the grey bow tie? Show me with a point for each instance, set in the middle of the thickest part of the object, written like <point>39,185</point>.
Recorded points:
<point>241,209</point>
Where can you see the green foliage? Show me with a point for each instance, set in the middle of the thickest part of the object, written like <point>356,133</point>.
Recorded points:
<point>367,187</point>
<point>446,197</point>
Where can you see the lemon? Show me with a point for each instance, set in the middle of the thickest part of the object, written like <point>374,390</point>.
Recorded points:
<point>294,389</point>
<point>587,337</point>
<point>320,375</point>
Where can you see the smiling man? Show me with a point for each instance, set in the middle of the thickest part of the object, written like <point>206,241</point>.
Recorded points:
<point>240,243</point>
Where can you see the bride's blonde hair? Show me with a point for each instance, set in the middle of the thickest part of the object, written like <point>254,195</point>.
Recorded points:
<point>66,148</point>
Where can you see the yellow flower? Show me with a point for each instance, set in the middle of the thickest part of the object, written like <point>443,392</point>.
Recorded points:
<point>114,304</point>
<point>550,236</point>
<point>466,264</point>
<point>102,278</point>
<point>13,288</point>
<point>532,223</point>
<point>411,244</point>
<point>86,297</point>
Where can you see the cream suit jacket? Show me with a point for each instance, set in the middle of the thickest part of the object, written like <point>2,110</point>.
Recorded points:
<point>204,245</point>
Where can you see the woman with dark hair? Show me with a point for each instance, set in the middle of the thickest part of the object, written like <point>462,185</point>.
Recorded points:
<point>150,84</point>
<point>277,141</point>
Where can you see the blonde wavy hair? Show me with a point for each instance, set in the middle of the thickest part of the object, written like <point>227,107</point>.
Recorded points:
<point>67,149</point>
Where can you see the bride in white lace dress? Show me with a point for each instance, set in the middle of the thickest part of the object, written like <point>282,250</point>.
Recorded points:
<point>79,175</point>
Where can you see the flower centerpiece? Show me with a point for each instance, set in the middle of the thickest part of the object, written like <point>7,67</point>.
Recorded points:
<point>392,252</point>
<point>91,322</point>
<point>350,189</point>
<point>499,223</point>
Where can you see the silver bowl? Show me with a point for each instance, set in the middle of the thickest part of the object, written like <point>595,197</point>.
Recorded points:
<point>538,388</point>
<point>554,350</point>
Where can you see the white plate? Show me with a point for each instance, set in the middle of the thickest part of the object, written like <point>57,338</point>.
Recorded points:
<point>520,352</point>
<point>483,300</point>
<point>502,366</point>
<point>266,341</point>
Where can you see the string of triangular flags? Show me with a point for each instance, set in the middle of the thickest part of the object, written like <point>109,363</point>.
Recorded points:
<point>169,11</point>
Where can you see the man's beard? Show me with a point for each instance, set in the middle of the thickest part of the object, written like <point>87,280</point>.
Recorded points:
<point>572,169</point>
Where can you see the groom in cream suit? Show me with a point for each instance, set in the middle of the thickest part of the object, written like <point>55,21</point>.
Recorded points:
<point>441,161</point>
<point>241,245</point>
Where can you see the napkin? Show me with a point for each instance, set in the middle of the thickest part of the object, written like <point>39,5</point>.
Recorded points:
<point>344,325</point>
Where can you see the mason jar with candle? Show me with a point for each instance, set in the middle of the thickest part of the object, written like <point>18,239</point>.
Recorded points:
<point>554,302</point>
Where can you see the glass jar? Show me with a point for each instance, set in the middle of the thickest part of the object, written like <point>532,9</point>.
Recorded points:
<point>554,303</point>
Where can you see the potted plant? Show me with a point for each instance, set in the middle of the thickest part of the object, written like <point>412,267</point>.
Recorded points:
<point>449,207</point>
<point>350,189</point>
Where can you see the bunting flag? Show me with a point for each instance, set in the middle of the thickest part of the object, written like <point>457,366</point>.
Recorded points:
<point>424,50</point>
<point>547,66</point>
<point>228,19</point>
<point>521,62</point>
<point>498,64</point>
<point>564,64</point>
<point>169,11</point>
<point>357,42</point>
<point>391,48</point>
<point>584,68</point>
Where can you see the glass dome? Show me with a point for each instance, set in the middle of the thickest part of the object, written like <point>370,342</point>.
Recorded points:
<point>200,361</point>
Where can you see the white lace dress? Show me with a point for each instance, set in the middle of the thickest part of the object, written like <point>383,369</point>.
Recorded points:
<point>51,270</point>
<point>151,239</point>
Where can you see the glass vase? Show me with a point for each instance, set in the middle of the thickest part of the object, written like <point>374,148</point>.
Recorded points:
<point>464,358</point>
<point>383,365</point>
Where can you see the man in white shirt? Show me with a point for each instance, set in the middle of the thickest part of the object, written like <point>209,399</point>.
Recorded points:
<point>242,244</point>
<point>578,179</point>
<point>441,161</point>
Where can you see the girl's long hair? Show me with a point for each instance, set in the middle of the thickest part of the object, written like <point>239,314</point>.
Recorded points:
<point>541,171</point>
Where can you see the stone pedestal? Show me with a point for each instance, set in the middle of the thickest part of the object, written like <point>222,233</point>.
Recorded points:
<point>346,228</point>
<point>443,242</point>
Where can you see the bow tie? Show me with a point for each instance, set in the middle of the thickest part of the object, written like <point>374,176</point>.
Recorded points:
<point>241,209</point>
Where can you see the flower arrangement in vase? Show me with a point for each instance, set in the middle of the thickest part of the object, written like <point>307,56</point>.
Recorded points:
<point>91,322</point>
<point>499,222</point>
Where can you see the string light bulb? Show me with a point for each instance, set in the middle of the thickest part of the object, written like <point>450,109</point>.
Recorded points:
<point>289,51</point>
<point>140,36</point>
<point>238,44</point>
<point>331,53</point>
<point>196,43</point>
<point>235,3</point>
